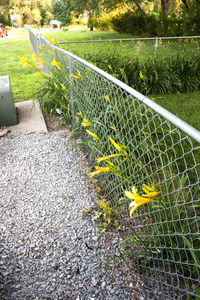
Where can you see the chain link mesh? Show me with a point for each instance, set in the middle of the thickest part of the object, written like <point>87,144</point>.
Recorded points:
<point>165,243</point>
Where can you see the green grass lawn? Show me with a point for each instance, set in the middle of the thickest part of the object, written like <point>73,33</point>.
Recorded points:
<point>79,35</point>
<point>184,106</point>
<point>24,85</point>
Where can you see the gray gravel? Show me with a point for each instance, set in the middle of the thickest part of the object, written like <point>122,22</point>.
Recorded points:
<point>43,254</point>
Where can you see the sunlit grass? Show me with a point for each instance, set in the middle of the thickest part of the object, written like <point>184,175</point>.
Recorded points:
<point>79,35</point>
<point>23,84</point>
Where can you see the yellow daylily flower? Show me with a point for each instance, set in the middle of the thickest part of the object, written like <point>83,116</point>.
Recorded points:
<point>113,168</point>
<point>150,189</point>
<point>42,61</point>
<point>119,148</point>
<point>41,48</point>
<point>47,75</point>
<point>103,169</point>
<point>79,73</point>
<point>141,75</point>
<point>107,98</point>
<point>35,56</point>
<point>56,64</point>
<point>56,85</point>
<point>150,195</point>
<point>115,144</point>
<point>150,192</point>
<point>79,114</point>
<point>95,173</point>
<point>85,123</point>
<point>39,58</point>
<point>95,137</point>
<point>75,76</point>
<point>138,200</point>
<point>115,129</point>
<point>111,164</point>
<point>53,42</point>
<point>99,170</point>
<point>107,157</point>
<point>24,61</point>
<point>103,205</point>
<point>63,87</point>
<point>50,52</point>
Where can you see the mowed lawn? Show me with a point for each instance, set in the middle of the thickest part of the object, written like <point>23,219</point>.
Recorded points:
<point>23,83</point>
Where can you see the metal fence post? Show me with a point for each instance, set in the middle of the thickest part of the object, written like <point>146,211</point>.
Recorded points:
<point>156,45</point>
<point>71,89</point>
<point>38,44</point>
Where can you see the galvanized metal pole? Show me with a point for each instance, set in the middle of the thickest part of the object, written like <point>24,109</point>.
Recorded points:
<point>71,89</point>
<point>156,45</point>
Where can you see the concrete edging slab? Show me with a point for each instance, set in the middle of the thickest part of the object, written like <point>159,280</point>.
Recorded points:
<point>30,118</point>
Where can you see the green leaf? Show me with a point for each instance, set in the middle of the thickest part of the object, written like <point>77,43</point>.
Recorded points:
<point>189,245</point>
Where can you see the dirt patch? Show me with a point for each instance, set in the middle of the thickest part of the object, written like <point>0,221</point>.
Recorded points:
<point>55,123</point>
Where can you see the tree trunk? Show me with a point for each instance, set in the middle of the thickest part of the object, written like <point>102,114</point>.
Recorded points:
<point>166,7</point>
<point>141,10</point>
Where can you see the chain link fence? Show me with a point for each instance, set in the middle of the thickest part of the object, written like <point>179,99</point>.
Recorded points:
<point>152,146</point>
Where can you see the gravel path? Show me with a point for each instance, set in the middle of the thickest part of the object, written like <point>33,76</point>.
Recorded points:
<point>43,254</point>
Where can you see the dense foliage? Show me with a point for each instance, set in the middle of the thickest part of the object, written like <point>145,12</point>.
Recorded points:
<point>158,24</point>
<point>139,17</point>
<point>160,17</point>
<point>31,12</point>
<point>173,69</point>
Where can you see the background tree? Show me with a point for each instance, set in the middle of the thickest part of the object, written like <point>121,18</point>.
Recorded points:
<point>4,12</point>
<point>32,11</point>
<point>61,11</point>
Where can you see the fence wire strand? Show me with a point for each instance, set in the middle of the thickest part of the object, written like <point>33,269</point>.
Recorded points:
<point>165,243</point>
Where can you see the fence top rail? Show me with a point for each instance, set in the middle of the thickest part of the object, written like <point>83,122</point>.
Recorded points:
<point>191,131</point>
<point>132,39</point>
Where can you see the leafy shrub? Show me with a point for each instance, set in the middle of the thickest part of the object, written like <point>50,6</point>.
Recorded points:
<point>135,24</point>
<point>103,23</point>
<point>155,24</point>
